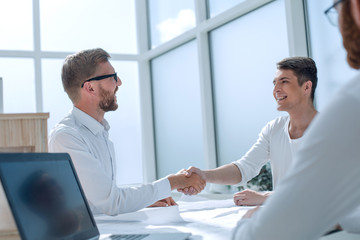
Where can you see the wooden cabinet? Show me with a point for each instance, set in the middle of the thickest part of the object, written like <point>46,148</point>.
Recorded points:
<point>19,133</point>
<point>23,132</point>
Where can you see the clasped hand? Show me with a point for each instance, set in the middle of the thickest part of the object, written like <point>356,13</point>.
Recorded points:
<point>192,172</point>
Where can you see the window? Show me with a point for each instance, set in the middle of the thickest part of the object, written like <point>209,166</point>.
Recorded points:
<point>18,84</point>
<point>32,76</point>
<point>55,99</point>
<point>211,79</point>
<point>72,26</point>
<point>16,32</point>
<point>244,67</point>
<point>177,111</point>
<point>125,124</point>
<point>169,19</point>
<point>216,7</point>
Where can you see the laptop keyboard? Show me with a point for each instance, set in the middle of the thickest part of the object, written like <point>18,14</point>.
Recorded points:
<point>128,237</point>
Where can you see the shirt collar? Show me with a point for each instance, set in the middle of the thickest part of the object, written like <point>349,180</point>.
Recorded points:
<point>89,122</point>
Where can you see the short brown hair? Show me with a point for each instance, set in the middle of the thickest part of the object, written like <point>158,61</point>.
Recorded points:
<point>304,69</point>
<point>78,67</point>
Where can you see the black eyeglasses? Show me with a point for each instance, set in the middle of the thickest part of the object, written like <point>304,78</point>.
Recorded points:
<point>332,13</point>
<point>101,78</point>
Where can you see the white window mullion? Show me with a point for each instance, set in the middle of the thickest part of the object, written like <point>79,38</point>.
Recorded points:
<point>205,88</point>
<point>296,28</point>
<point>37,56</point>
<point>147,125</point>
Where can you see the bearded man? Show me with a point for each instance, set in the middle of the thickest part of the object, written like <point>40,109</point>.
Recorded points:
<point>91,84</point>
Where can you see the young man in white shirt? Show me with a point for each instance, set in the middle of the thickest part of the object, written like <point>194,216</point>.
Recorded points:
<point>322,187</point>
<point>294,88</point>
<point>91,83</point>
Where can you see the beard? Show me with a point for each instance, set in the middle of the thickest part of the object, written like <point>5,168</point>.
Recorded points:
<point>351,36</point>
<point>108,101</point>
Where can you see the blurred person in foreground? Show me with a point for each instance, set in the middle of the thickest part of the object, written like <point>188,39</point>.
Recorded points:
<point>322,188</point>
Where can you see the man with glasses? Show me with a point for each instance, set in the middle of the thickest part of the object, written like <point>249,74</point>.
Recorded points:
<point>323,186</point>
<point>91,83</point>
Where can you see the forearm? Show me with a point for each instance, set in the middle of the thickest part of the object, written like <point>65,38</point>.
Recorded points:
<point>181,181</point>
<point>227,174</point>
<point>176,181</point>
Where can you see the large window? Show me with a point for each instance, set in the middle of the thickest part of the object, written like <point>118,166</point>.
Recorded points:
<point>18,84</point>
<point>197,74</point>
<point>69,26</point>
<point>16,31</point>
<point>244,67</point>
<point>32,51</point>
<point>177,110</point>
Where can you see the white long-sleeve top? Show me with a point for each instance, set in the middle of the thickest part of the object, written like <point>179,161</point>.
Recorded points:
<point>273,144</point>
<point>322,186</point>
<point>92,152</point>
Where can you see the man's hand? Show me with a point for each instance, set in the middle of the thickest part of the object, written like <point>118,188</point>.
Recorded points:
<point>250,198</point>
<point>196,170</point>
<point>164,203</point>
<point>188,173</point>
<point>180,181</point>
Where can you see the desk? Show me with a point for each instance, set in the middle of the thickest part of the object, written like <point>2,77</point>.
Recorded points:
<point>194,214</point>
<point>205,219</point>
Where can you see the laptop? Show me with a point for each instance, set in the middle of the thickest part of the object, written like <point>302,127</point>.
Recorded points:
<point>47,201</point>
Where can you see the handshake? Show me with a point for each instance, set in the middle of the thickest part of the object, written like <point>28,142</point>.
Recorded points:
<point>189,181</point>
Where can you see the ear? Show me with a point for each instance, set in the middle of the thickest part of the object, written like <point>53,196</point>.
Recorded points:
<point>308,87</point>
<point>88,87</point>
<point>355,11</point>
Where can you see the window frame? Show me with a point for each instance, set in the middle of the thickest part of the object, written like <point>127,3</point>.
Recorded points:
<point>298,44</point>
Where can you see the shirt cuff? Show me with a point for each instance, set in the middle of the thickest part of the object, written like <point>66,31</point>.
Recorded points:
<point>242,182</point>
<point>163,188</point>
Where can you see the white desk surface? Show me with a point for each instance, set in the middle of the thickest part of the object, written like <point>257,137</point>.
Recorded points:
<point>204,218</point>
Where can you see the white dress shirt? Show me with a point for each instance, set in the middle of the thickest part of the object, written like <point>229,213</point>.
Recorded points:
<point>322,186</point>
<point>274,144</point>
<point>92,152</point>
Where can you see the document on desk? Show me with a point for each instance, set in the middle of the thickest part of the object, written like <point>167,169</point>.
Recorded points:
<point>186,211</point>
<point>154,215</point>
<point>187,204</point>
<point>198,211</point>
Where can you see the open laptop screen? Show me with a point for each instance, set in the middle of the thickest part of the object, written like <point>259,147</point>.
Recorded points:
<point>45,196</point>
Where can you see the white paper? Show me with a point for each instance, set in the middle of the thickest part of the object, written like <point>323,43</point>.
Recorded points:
<point>193,211</point>
<point>155,215</point>
<point>201,205</point>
